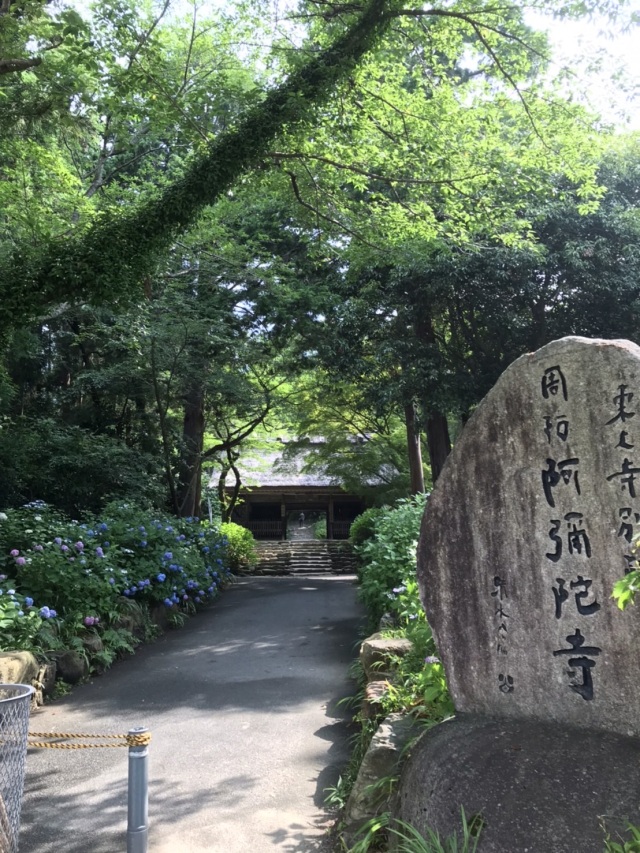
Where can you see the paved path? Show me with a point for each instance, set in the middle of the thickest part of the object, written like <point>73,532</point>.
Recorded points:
<point>242,706</point>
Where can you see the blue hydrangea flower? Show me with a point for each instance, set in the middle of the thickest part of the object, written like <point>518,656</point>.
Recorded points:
<point>28,601</point>
<point>161,577</point>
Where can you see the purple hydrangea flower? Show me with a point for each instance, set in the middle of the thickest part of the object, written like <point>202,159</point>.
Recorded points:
<point>58,540</point>
<point>15,552</point>
<point>79,546</point>
<point>99,552</point>
<point>64,547</point>
<point>431,659</point>
<point>88,621</point>
<point>38,548</point>
<point>20,561</point>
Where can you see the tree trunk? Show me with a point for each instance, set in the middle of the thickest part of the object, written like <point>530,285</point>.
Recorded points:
<point>190,488</point>
<point>438,440</point>
<point>439,443</point>
<point>414,450</point>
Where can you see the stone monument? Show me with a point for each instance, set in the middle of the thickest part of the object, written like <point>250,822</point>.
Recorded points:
<point>530,525</point>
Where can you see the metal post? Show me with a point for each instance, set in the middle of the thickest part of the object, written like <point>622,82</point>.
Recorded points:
<point>138,797</point>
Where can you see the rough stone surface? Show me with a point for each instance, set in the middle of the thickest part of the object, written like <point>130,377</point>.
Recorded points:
<point>92,643</point>
<point>373,693</point>
<point>72,667</point>
<point>18,668</point>
<point>47,677</point>
<point>133,622</point>
<point>380,761</point>
<point>527,531</point>
<point>539,800</point>
<point>377,655</point>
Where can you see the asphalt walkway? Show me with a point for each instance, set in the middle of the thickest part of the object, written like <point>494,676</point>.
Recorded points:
<point>247,733</point>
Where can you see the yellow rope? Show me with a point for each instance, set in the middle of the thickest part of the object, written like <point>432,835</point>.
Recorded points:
<point>139,739</point>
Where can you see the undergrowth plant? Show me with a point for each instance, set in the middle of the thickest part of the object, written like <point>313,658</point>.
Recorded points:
<point>382,831</point>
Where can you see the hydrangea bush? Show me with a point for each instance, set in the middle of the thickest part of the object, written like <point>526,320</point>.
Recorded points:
<point>388,557</point>
<point>62,578</point>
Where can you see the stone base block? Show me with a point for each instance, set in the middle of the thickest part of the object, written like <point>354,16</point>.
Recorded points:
<point>381,761</point>
<point>377,655</point>
<point>373,693</point>
<point>18,668</point>
<point>537,787</point>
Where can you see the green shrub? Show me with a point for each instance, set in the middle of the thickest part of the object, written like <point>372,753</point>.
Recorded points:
<point>239,546</point>
<point>320,529</point>
<point>71,468</point>
<point>390,556</point>
<point>363,526</point>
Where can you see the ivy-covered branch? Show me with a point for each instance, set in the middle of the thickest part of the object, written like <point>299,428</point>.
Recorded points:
<point>112,257</point>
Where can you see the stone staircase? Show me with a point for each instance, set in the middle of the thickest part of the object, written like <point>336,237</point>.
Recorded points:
<point>305,557</point>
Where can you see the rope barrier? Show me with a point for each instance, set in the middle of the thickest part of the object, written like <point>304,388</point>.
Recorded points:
<point>141,739</point>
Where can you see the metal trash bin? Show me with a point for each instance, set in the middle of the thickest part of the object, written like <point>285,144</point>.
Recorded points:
<point>15,704</point>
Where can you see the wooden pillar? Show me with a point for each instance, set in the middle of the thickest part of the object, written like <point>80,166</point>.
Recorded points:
<point>283,518</point>
<point>330,520</point>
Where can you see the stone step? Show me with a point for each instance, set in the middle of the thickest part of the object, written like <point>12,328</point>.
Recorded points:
<point>305,557</point>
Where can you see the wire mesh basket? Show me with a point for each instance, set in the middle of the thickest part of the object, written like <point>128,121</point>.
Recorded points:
<point>15,704</point>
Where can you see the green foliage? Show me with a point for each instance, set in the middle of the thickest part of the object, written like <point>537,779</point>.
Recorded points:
<point>71,468</point>
<point>239,547</point>
<point>625,590</point>
<point>419,684</point>
<point>320,529</point>
<point>622,845</point>
<point>363,527</point>
<point>376,832</point>
<point>337,796</point>
<point>391,555</point>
